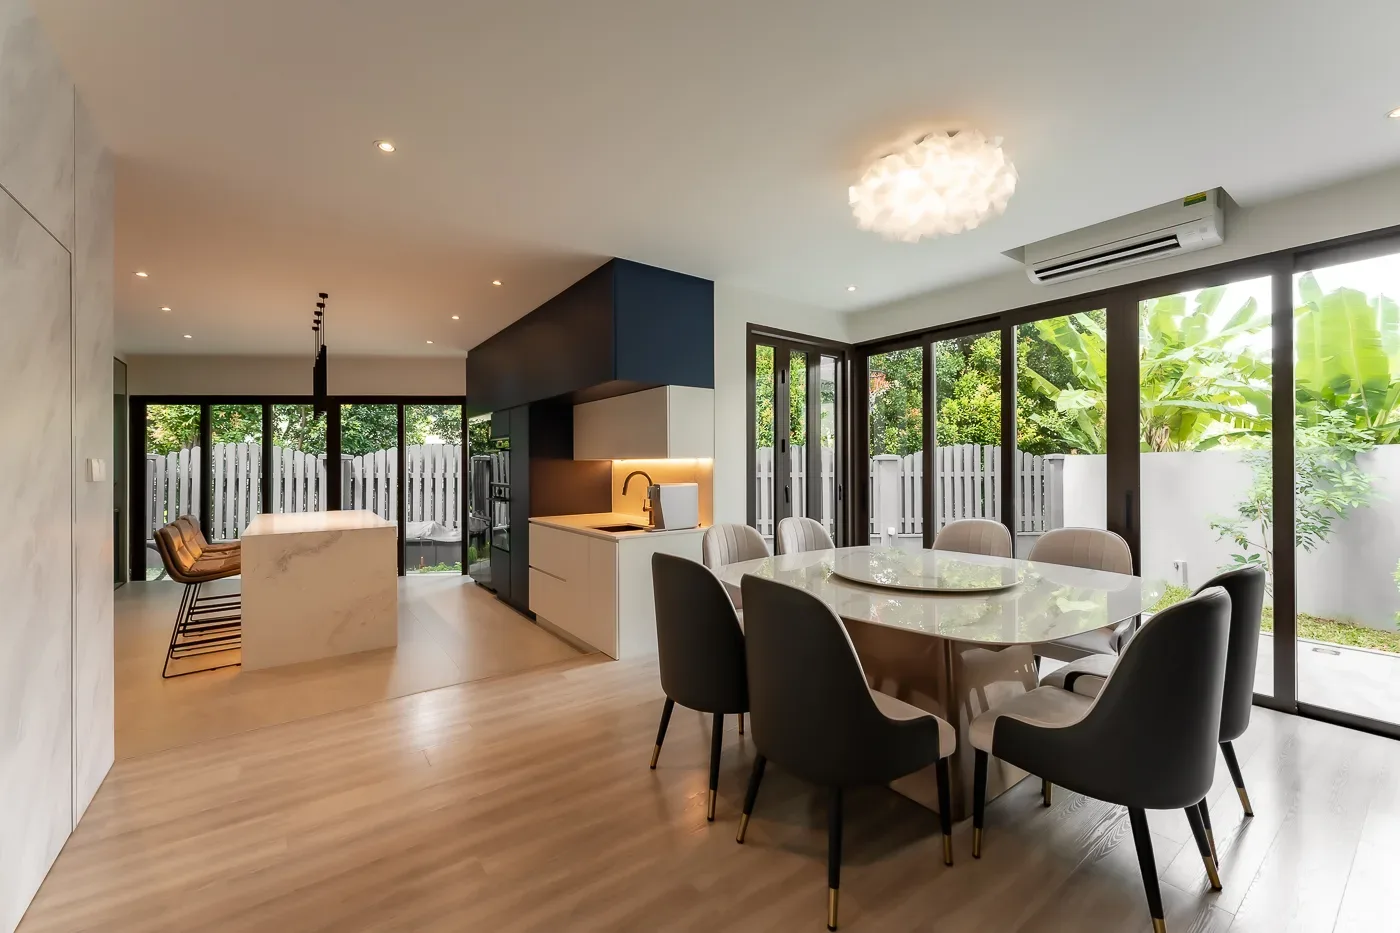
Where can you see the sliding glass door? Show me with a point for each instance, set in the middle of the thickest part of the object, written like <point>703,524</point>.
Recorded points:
<point>434,485</point>
<point>895,406</point>
<point>1205,385</point>
<point>796,432</point>
<point>168,479</point>
<point>1346,462</point>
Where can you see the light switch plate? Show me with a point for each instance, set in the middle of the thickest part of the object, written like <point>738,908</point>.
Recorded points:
<point>96,470</point>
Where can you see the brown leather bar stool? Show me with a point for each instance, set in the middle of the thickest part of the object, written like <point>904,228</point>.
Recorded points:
<point>194,537</point>
<point>203,624</point>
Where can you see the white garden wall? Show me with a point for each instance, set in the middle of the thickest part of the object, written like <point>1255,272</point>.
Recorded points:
<point>1349,577</point>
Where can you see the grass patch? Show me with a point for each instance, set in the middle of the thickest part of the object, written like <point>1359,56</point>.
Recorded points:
<point>1314,628</point>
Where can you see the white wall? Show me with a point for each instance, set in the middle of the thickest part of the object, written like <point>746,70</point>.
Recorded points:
<point>1349,577</point>
<point>1357,206</point>
<point>291,375</point>
<point>735,309</point>
<point>56,736</point>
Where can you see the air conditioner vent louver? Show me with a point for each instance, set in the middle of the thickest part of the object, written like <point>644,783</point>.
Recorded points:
<point>1109,258</point>
<point>1195,222</point>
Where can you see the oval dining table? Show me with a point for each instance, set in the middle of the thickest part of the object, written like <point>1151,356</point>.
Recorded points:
<point>953,633</point>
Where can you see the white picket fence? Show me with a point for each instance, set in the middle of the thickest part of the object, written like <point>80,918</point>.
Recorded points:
<point>173,485</point>
<point>967,484</point>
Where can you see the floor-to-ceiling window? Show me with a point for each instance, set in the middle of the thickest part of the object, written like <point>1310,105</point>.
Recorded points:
<point>169,484</point>
<point>965,464</point>
<point>235,469</point>
<point>298,477</point>
<point>894,386</point>
<point>796,425</point>
<point>1060,461</point>
<point>433,459</point>
<point>1205,385</point>
<point>1347,481</point>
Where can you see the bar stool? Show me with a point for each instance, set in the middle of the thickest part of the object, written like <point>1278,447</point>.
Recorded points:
<point>203,624</point>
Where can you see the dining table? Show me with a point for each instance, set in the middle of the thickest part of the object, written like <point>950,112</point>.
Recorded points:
<point>953,633</point>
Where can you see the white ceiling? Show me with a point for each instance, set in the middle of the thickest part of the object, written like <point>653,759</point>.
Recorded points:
<point>716,138</point>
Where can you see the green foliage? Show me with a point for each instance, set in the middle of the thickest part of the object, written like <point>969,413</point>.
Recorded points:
<point>797,400</point>
<point>438,568</point>
<point>364,428</point>
<point>896,389</point>
<point>479,434</point>
<point>1171,595</point>
<point>1327,484</point>
<point>1348,349</point>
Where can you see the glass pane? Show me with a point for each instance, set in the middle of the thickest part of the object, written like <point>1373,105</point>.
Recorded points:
<point>763,441</point>
<point>967,424</point>
<point>827,441</point>
<point>797,434</point>
<point>433,490</point>
<point>1205,372</point>
<point>896,387</point>
<point>172,472</point>
<point>483,464</point>
<point>235,470</point>
<point>1347,463</point>
<point>298,459</point>
<point>1061,403</point>
<point>369,459</point>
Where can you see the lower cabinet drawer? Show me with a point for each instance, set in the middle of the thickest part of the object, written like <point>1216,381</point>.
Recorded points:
<point>549,598</point>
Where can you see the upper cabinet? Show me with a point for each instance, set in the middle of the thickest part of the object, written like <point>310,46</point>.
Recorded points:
<point>656,424</point>
<point>623,327</point>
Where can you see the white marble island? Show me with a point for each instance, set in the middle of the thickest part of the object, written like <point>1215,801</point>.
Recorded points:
<point>316,585</point>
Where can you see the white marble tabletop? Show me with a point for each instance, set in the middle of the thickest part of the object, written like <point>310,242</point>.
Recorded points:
<point>1050,602</point>
<point>300,523</point>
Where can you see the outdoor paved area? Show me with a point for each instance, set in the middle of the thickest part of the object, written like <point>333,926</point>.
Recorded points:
<point>1353,680</point>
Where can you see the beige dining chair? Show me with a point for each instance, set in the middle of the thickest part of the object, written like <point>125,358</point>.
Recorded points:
<point>798,535</point>
<point>1092,549</point>
<point>731,543</point>
<point>974,536</point>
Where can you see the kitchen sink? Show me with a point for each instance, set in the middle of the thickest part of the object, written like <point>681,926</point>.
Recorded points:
<point>619,527</point>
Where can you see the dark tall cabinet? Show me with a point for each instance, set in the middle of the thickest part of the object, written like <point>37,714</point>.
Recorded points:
<point>543,479</point>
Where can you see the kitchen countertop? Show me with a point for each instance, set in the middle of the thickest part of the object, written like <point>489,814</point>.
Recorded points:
<point>297,523</point>
<point>581,523</point>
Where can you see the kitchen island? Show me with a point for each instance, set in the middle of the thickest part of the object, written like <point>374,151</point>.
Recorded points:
<point>317,585</point>
<point>592,583</point>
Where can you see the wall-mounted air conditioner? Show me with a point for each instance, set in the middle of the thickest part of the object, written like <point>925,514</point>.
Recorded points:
<point>1184,226</point>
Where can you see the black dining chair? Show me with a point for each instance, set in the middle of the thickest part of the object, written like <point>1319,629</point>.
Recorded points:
<point>1246,587</point>
<point>700,647</point>
<point>1147,741</point>
<point>813,714</point>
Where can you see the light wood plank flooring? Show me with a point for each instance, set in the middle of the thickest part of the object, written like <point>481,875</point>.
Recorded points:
<point>525,803</point>
<point>450,632</point>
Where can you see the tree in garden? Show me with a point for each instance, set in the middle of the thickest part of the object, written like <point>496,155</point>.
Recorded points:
<point>1327,484</point>
<point>896,386</point>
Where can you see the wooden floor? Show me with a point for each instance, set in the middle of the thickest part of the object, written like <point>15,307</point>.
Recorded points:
<point>450,632</point>
<point>524,803</point>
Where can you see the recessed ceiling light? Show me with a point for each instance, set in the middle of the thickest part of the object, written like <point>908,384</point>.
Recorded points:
<point>165,309</point>
<point>429,341</point>
<point>384,145</point>
<point>189,336</point>
<point>141,274</point>
<point>496,282</point>
<point>1394,114</point>
<point>456,317</point>
<point>850,288</point>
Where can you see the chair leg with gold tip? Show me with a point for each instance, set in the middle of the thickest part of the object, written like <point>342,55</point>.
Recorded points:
<point>1237,776</point>
<point>979,800</point>
<point>1142,838</point>
<point>1210,833</point>
<point>1047,793</point>
<point>833,857</point>
<point>945,807</point>
<point>716,741</point>
<point>1198,830</point>
<point>741,723</point>
<point>661,732</point>
<point>751,797</point>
